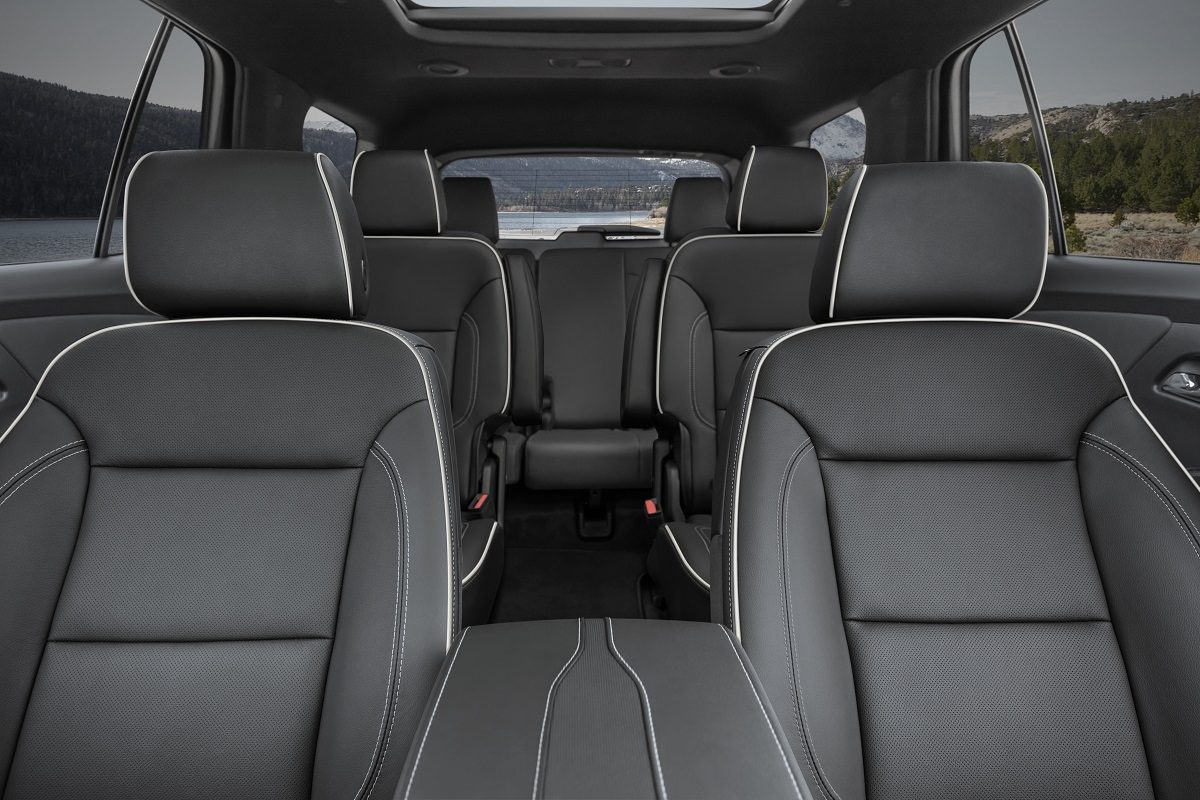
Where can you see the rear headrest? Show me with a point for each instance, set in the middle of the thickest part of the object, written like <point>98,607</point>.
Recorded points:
<point>243,233</point>
<point>471,207</point>
<point>779,190</point>
<point>398,193</point>
<point>696,204</point>
<point>933,240</point>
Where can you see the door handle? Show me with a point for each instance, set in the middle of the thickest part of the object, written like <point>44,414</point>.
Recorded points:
<point>1183,384</point>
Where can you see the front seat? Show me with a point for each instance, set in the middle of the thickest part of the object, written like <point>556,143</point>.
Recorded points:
<point>962,561</point>
<point>227,566</point>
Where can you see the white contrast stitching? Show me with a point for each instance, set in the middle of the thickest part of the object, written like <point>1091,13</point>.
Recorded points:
<point>4,486</point>
<point>763,709</point>
<point>1187,535</point>
<point>58,460</point>
<point>399,618</point>
<point>799,707</point>
<point>537,769</point>
<point>1159,480</point>
<point>692,371</point>
<point>662,784</point>
<point>433,714</point>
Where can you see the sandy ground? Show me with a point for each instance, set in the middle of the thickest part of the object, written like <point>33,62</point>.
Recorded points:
<point>1155,236</point>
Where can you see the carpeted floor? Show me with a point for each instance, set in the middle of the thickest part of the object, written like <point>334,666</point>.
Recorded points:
<point>554,584</point>
<point>550,573</point>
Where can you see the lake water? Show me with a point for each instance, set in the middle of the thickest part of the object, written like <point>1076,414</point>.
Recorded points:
<point>27,240</point>
<point>547,224</point>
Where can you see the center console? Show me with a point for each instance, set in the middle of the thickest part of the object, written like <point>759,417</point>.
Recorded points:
<point>599,708</point>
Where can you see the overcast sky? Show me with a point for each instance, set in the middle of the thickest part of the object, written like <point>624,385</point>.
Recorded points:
<point>1080,51</point>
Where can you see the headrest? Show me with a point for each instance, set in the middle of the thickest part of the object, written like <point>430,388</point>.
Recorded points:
<point>243,233</point>
<point>398,193</point>
<point>779,190</point>
<point>696,204</point>
<point>471,207</point>
<point>934,239</point>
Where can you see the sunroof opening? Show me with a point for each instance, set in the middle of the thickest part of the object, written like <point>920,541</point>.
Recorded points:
<point>742,5</point>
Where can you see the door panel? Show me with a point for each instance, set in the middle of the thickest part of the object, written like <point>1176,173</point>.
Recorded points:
<point>46,307</point>
<point>1147,314</point>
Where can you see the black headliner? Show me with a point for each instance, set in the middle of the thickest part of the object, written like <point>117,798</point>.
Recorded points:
<point>359,60</point>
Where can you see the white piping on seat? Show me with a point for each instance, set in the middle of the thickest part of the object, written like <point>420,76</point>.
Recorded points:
<point>837,265</point>
<point>125,241</point>
<point>503,286</point>
<point>470,576</point>
<point>695,576</point>
<point>337,224</point>
<point>433,185</point>
<point>733,533</point>
<point>745,183</point>
<point>451,588</point>
<point>662,296</point>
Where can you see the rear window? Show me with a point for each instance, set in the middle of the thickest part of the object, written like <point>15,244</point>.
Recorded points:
<point>539,197</point>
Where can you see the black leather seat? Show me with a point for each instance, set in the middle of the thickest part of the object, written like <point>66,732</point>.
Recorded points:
<point>590,440</point>
<point>452,289</point>
<point>961,560</point>
<point>725,291</point>
<point>227,566</point>
<point>600,304</point>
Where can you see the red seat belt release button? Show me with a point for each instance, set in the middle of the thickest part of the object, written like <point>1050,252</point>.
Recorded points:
<point>479,502</point>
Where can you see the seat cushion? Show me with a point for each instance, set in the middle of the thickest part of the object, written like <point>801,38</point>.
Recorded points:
<point>589,459</point>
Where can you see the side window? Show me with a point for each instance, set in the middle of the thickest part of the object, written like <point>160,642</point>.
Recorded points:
<point>171,117</point>
<point>843,143</point>
<point>1118,93</point>
<point>67,70</point>
<point>334,138</point>
<point>1000,127</point>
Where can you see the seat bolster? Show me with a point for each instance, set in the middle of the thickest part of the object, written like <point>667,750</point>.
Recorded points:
<point>399,606</point>
<point>686,386</point>
<point>637,395</point>
<point>480,382</point>
<point>1143,514</point>
<point>679,566</point>
<point>779,582</point>
<point>43,485</point>
<point>527,369</point>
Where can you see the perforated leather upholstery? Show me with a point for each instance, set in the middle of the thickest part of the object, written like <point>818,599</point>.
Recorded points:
<point>975,574</point>
<point>228,566</point>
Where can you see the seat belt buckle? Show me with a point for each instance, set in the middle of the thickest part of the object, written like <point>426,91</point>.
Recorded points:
<point>478,503</point>
<point>654,514</point>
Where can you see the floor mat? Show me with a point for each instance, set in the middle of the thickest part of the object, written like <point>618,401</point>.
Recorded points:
<point>542,583</point>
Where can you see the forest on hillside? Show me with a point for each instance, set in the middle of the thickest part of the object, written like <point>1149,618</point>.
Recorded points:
<point>58,145</point>
<point>1131,156</point>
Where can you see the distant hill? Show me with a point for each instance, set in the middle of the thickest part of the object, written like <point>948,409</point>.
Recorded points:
<point>1132,155</point>
<point>58,145</point>
<point>842,141</point>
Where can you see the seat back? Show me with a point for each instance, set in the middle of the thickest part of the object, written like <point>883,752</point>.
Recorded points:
<point>963,563</point>
<point>448,288</point>
<point>724,292</point>
<point>227,567</point>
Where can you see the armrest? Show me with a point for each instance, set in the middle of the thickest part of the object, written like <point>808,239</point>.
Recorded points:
<point>599,708</point>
